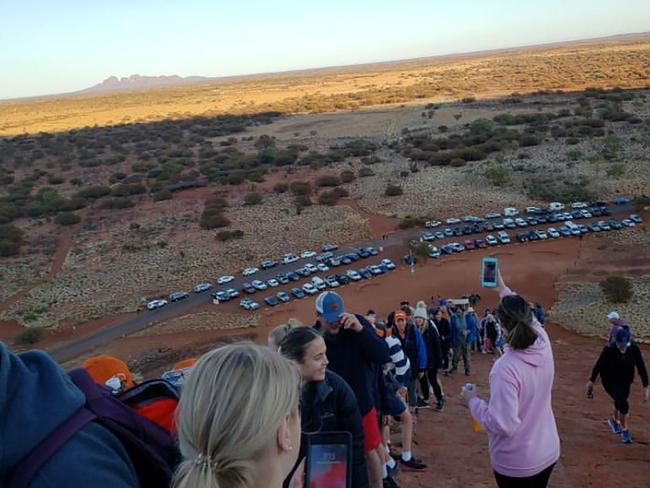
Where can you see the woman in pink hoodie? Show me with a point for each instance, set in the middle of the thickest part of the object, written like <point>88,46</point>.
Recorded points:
<point>519,420</point>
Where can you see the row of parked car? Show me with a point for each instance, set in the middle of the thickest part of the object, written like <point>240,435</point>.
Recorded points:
<point>552,208</point>
<point>569,228</point>
<point>315,285</point>
<point>290,258</point>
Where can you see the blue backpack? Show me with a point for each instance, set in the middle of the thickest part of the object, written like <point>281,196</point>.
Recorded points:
<point>152,449</point>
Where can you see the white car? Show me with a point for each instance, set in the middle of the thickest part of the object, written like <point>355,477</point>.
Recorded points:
<point>249,304</point>
<point>533,210</point>
<point>576,205</point>
<point>228,278</point>
<point>318,282</point>
<point>154,304</point>
<point>388,263</point>
<point>586,214</point>
<point>628,223</point>
<point>201,287</point>
<point>307,254</point>
<point>492,215</point>
<point>554,206</point>
<point>273,282</point>
<point>491,240</point>
<point>311,268</point>
<point>434,252</point>
<point>249,271</point>
<point>552,231</point>
<point>323,267</point>
<point>432,223</point>
<point>309,289</point>
<point>353,275</point>
<point>453,221</point>
<point>504,238</point>
<point>289,258</point>
<point>541,234</point>
<point>520,222</point>
<point>259,285</point>
<point>510,212</point>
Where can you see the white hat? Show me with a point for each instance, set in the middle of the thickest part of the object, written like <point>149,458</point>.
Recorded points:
<point>470,310</point>
<point>613,315</point>
<point>420,312</point>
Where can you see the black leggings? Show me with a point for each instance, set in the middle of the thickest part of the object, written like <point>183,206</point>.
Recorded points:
<point>540,480</point>
<point>430,377</point>
<point>619,394</point>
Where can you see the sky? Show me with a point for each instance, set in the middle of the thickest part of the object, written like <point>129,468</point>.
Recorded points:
<point>57,46</point>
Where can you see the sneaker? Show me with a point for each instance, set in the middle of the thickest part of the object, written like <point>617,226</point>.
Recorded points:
<point>422,403</point>
<point>626,438</point>
<point>413,463</point>
<point>389,482</point>
<point>393,471</point>
<point>614,425</point>
<point>440,405</point>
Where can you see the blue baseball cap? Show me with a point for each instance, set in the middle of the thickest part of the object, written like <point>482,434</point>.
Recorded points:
<point>330,306</point>
<point>623,337</point>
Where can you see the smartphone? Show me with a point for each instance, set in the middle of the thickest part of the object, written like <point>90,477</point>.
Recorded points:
<point>329,460</point>
<point>489,267</point>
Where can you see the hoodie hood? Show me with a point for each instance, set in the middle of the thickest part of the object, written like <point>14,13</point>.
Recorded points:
<point>36,396</point>
<point>539,352</point>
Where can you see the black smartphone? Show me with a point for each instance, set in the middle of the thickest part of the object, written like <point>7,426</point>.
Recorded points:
<point>489,272</point>
<point>329,460</point>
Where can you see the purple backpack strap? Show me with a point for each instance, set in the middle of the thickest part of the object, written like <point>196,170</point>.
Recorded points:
<point>24,472</point>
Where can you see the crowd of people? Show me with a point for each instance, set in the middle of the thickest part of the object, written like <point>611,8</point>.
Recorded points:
<point>245,410</point>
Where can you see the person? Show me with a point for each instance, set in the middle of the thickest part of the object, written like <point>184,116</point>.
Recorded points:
<point>356,354</point>
<point>233,429</point>
<point>473,340</point>
<point>540,313</point>
<point>413,346</point>
<point>523,437</point>
<point>431,339</point>
<point>442,325</point>
<point>459,340</point>
<point>280,332</point>
<point>31,383</point>
<point>615,321</point>
<point>327,403</point>
<point>616,366</point>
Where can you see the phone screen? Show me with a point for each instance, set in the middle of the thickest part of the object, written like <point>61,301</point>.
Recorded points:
<point>489,272</point>
<point>328,465</point>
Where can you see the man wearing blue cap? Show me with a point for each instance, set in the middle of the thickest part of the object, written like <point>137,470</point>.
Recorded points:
<point>355,353</point>
<point>616,368</point>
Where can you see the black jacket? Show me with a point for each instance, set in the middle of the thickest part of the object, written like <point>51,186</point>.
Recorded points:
<point>431,340</point>
<point>330,405</point>
<point>444,330</point>
<point>618,369</point>
<point>354,356</point>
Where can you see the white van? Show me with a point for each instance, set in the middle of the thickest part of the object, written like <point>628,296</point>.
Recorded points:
<point>510,212</point>
<point>318,283</point>
<point>554,206</point>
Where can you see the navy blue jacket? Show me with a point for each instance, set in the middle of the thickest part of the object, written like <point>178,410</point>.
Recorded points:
<point>36,396</point>
<point>355,356</point>
<point>330,405</point>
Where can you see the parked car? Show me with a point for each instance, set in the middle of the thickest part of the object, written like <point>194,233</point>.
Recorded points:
<point>510,212</point>
<point>480,243</point>
<point>452,221</point>
<point>232,293</point>
<point>178,295</point>
<point>323,267</point>
<point>259,285</point>
<point>449,232</point>
<point>533,210</point>
<point>324,256</point>
<point>297,293</point>
<point>457,246</point>
<point>365,273</point>
<point>221,295</point>
<point>427,236</point>
<point>621,200</point>
<point>331,282</point>
<point>555,206</point>
<point>318,282</point>
<point>434,252</point>
<point>376,270</point>
<point>282,278</point>
<point>248,288</point>
<point>283,296</point>
<point>249,271</point>
<point>353,275</point>
<point>228,278</point>
<point>289,258</point>
<point>201,287</point>
<point>552,231</point>
<point>271,300</point>
<point>522,236</point>
<point>636,218</point>
<point>615,224</point>
<point>329,247</point>
<point>498,225</point>
<point>492,215</point>
<point>520,222</point>
<point>628,223</point>
<point>594,227</point>
<point>273,282</point>
<point>469,244</point>
<point>604,225</point>
<point>504,238</point>
<point>565,231</point>
<point>342,278</point>
<point>439,234</point>
<point>311,268</point>
<point>309,289</point>
<point>491,240</point>
<point>310,254</point>
<point>432,223</point>
<point>388,263</point>
<point>268,263</point>
<point>579,205</point>
<point>154,304</point>
<point>293,276</point>
<point>541,234</point>
<point>249,304</point>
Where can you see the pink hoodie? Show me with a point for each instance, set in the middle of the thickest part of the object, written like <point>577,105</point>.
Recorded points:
<point>519,418</point>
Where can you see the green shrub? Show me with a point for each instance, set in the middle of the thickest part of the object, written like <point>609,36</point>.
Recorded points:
<point>28,336</point>
<point>226,235</point>
<point>457,162</point>
<point>364,172</point>
<point>280,188</point>
<point>347,176</point>
<point>300,188</point>
<point>117,203</point>
<point>163,194</point>
<point>498,174</point>
<point>211,219</point>
<point>67,218</point>
<point>393,190</point>
<point>253,198</point>
<point>616,171</point>
<point>617,289</point>
<point>328,180</point>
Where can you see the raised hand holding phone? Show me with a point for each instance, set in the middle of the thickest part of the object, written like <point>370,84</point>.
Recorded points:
<point>489,272</point>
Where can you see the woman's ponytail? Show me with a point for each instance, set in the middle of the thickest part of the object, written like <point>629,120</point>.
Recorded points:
<point>516,318</point>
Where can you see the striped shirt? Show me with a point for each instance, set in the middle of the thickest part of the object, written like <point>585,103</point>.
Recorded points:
<point>399,363</point>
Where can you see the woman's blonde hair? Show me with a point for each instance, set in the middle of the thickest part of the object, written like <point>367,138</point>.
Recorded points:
<point>278,334</point>
<point>230,411</point>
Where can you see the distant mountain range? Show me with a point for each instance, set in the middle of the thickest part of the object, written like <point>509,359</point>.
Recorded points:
<point>134,82</point>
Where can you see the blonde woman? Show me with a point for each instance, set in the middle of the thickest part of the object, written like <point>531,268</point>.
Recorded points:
<point>277,335</point>
<point>238,419</point>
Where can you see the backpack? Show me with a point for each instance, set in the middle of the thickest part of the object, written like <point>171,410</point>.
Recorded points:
<point>153,450</point>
